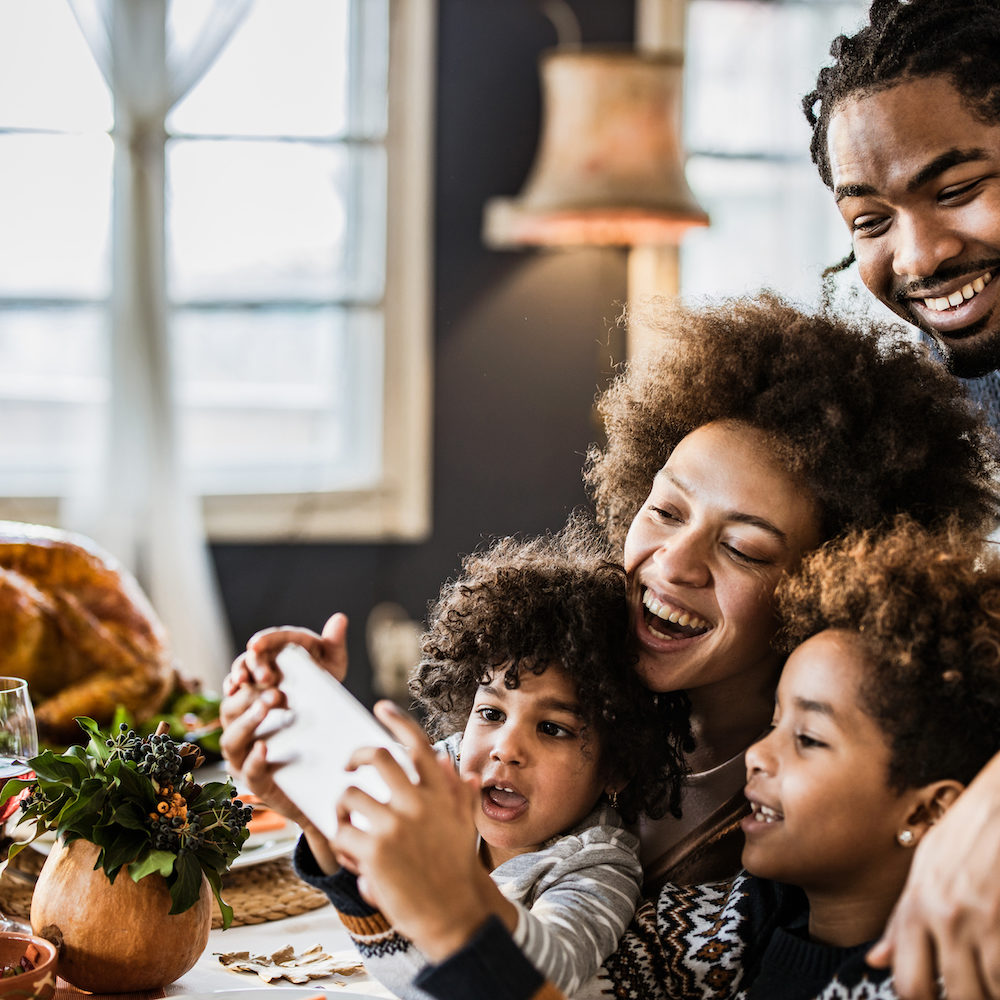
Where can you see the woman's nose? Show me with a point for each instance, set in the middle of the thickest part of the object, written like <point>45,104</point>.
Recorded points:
<point>922,245</point>
<point>683,558</point>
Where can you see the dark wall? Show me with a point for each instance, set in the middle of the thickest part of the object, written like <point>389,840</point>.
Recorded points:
<point>523,341</point>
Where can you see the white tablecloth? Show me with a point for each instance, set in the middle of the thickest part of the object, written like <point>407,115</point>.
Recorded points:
<point>315,927</point>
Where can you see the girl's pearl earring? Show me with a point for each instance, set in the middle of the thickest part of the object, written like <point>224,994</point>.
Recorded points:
<point>905,838</point>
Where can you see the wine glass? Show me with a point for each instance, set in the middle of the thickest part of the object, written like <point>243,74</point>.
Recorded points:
<point>18,734</point>
<point>18,744</point>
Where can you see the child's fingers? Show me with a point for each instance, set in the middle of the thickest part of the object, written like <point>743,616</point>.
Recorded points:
<point>333,652</point>
<point>389,769</point>
<point>351,840</point>
<point>411,736</point>
<point>400,725</point>
<point>239,676</point>
<point>240,723</point>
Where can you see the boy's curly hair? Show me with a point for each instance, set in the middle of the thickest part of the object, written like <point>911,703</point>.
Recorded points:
<point>925,606</point>
<point>557,600</point>
<point>870,425</point>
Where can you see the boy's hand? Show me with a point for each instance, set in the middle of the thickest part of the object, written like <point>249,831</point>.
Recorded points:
<point>947,921</point>
<point>257,665</point>
<point>416,857</point>
<point>255,671</point>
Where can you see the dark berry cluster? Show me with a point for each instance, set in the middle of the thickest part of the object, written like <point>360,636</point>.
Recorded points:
<point>165,761</point>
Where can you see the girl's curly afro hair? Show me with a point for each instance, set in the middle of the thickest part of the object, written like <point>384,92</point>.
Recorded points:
<point>926,610</point>
<point>554,601</point>
<point>869,424</point>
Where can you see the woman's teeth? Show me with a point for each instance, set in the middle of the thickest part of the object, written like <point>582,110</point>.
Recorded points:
<point>765,814</point>
<point>674,615</point>
<point>958,297</point>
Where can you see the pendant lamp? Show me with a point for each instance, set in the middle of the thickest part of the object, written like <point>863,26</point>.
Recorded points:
<point>609,169</point>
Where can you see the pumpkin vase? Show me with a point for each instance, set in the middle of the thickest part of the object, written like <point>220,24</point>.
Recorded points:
<point>115,937</point>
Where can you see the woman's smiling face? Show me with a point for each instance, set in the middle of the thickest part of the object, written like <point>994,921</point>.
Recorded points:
<point>722,523</point>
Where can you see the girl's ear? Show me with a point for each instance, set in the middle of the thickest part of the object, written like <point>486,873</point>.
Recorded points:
<point>927,806</point>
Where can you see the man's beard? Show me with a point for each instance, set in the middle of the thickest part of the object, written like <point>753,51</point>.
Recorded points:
<point>970,360</point>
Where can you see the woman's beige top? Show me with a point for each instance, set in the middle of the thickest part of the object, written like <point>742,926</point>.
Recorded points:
<point>705,843</point>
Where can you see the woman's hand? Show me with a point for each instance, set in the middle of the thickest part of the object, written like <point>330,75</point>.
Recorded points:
<point>947,921</point>
<point>416,856</point>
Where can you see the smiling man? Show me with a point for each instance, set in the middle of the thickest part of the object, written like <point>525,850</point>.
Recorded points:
<point>906,133</point>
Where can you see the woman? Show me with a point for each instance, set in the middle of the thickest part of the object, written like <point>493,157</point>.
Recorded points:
<point>757,433</point>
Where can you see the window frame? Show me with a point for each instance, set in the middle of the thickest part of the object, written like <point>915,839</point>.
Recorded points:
<point>398,508</point>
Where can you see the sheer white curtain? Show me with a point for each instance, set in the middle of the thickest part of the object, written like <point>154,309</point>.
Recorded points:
<point>135,500</point>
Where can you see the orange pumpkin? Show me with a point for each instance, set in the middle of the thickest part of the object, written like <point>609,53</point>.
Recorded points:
<point>116,937</point>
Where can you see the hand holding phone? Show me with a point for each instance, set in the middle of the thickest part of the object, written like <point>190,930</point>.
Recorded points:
<point>313,739</point>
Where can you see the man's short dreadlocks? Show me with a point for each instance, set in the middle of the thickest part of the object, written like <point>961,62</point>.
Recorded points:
<point>957,39</point>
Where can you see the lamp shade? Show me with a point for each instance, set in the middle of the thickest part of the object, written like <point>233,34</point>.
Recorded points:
<point>609,168</point>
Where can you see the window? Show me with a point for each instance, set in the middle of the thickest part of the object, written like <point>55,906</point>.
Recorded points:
<point>774,224</point>
<point>295,219</point>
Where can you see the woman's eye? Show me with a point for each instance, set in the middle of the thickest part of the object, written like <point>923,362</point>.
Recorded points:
<point>808,742</point>
<point>554,729</point>
<point>742,557</point>
<point>665,513</point>
<point>488,714</point>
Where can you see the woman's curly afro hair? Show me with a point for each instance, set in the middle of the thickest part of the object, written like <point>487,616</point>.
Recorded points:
<point>926,610</point>
<point>554,601</point>
<point>870,425</point>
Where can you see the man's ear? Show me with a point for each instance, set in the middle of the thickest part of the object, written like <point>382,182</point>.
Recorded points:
<point>928,804</point>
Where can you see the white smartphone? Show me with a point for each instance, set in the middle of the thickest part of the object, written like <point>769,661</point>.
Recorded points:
<point>314,737</point>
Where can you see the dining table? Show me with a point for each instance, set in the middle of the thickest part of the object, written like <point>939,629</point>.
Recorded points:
<point>316,927</point>
<point>273,910</point>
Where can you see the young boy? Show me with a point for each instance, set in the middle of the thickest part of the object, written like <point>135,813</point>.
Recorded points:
<point>524,671</point>
<point>898,651</point>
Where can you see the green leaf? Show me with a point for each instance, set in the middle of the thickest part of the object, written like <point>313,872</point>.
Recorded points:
<point>185,887</point>
<point>215,881</point>
<point>133,816</point>
<point>135,787</point>
<point>14,786</point>
<point>67,767</point>
<point>161,862</point>
<point>84,812</point>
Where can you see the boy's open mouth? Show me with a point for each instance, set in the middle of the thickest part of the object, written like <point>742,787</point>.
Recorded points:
<point>501,802</point>
<point>670,622</point>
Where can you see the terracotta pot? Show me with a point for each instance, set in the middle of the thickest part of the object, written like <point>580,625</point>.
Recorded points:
<point>116,937</point>
<point>40,983</point>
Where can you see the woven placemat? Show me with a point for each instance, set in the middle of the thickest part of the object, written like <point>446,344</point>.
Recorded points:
<point>257,893</point>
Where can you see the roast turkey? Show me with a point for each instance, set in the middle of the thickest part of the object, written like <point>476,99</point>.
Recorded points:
<point>76,625</point>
